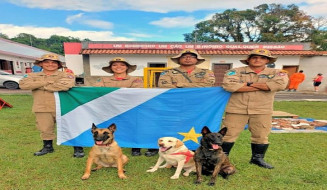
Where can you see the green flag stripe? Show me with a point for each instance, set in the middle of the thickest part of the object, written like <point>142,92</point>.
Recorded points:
<point>71,99</point>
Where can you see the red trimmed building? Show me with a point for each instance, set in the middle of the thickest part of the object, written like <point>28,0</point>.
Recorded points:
<point>17,58</point>
<point>87,58</point>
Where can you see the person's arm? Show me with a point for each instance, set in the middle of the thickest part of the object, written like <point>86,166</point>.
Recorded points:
<point>99,83</point>
<point>137,83</point>
<point>278,82</point>
<point>66,82</point>
<point>232,82</point>
<point>250,87</point>
<point>31,82</point>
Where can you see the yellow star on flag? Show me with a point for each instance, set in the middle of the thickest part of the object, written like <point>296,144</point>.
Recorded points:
<point>191,135</point>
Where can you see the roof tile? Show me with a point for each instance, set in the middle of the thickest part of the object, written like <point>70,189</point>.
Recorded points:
<point>202,52</point>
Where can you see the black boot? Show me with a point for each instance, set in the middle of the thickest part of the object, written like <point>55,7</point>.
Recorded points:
<point>258,153</point>
<point>136,152</point>
<point>47,148</point>
<point>78,152</point>
<point>151,152</point>
<point>227,147</point>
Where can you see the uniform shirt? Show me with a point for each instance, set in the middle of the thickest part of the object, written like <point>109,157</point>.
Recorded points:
<point>256,102</point>
<point>199,78</point>
<point>128,82</point>
<point>43,86</point>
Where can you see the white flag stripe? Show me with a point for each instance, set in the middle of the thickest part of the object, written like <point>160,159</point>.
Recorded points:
<point>121,101</point>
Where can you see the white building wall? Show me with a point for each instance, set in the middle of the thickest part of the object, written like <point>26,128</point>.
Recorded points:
<point>19,64</point>
<point>311,66</point>
<point>75,63</point>
<point>99,61</point>
<point>235,60</point>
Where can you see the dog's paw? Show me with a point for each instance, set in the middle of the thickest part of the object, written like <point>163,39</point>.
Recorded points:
<point>186,174</point>
<point>122,176</point>
<point>211,183</point>
<point>85,176</point>
<point>151,170</point>
<point>197,182</point>
<point>174,177</point>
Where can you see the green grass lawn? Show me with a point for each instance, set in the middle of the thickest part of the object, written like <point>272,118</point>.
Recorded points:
<point>300,159</point>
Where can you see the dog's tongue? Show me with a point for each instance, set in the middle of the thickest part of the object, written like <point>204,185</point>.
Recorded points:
<point>98,142</point>
<point>215,146</point>
<point>163,149</point>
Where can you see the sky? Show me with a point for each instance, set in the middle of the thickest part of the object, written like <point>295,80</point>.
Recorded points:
<point>123,20</point>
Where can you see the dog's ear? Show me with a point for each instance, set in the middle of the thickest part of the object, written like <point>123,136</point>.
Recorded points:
<point>179,143</point>
<point>205,130</point>
<point>223,131</point>
<point>112,127</point>
<point>94,127</point>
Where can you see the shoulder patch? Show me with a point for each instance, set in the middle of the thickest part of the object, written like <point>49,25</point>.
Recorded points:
<point>231,73</point>
<point>163,73</point>
<point>70,76</point>
<point>281,74</point>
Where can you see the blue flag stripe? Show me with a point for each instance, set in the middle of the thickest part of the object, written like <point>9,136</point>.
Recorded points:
<point>168,114</point>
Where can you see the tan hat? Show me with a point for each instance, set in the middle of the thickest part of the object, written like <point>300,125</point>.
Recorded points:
<point>262,52</point>
<point>130,69</point>
<point>200,59</point>
<point>49,56</point>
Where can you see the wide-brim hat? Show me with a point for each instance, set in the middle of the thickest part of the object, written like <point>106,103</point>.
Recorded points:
<point>130,69</point>
<point>200,59</point>
<point>262,52</point>
<point>49,56</point>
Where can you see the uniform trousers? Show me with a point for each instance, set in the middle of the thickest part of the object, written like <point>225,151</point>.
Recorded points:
<point>45,123</point>
<point>258,124</point>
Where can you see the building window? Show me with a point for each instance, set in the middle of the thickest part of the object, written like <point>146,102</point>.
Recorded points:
<point>157,64</point>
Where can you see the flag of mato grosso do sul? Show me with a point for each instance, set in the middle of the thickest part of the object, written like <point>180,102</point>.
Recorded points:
<point>141,115</point>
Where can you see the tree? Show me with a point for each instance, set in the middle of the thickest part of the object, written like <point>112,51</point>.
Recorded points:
<point>283,24</point>
<point>4,36</point>
<point>231,25</point>
<point>319,40</point>
<point>265,23</point>
<point>53,44</point>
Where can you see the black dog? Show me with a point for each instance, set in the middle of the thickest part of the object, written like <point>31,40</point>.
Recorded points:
<point>209,157</point>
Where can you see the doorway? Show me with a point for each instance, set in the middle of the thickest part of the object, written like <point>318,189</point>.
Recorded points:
<point>219,71</point>
<point>290,69</point>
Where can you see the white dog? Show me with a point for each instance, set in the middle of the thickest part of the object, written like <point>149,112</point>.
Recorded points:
<point>175,153</point>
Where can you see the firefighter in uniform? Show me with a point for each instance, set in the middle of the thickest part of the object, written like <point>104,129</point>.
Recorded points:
<point>188,74</point>
<point>43,85</point>
<point>253,89</point>
<point>120,68</point>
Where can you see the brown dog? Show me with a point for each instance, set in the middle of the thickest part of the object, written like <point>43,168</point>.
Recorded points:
<point>209,157</point>
<point>105,152</point>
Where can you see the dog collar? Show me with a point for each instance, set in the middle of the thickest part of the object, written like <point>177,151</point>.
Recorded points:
<point>187,154</point>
